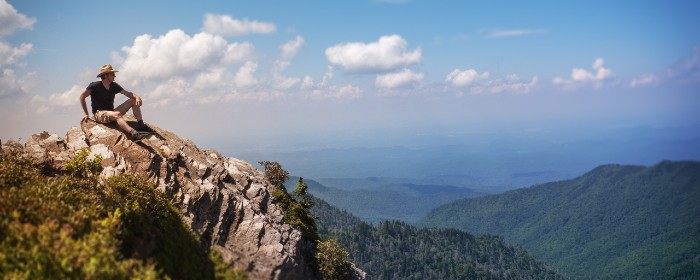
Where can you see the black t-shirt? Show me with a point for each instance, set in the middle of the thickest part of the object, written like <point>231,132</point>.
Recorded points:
<point>101,98</point>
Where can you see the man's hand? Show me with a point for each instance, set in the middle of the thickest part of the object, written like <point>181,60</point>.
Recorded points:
<point>138,100</point>
<point>85,118</point>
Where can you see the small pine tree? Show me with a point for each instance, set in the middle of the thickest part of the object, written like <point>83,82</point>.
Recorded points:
<point>302,194</point>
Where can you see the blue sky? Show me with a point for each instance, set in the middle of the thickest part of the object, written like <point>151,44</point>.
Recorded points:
<point>240,73</point>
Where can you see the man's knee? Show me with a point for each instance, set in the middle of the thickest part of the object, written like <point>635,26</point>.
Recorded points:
<point>130,103</point>
<point>115,115</point>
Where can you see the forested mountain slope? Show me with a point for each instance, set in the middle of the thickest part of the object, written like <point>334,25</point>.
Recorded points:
<point>396,250</point>
<point>613,222</point>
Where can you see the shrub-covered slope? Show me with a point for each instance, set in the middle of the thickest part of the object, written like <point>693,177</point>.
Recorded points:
<point>72,226</point>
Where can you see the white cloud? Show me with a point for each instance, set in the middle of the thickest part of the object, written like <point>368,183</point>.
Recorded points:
<point>176,89</point>
<point>483,83</point>
<point>324,90</point>
<point>398,79</point>
<point>237,52</point>
<point>225,25</point>
<point>502,33</point>
<point>177,53</point>
<point>10,55</point>
<point>390,52</point>
<point>244,77</point>
<point>211,78</point>
<point>201,69</point>
<point>11,21</point>
<point>510,84</point>
<point>459,78</point>
<point>58,101</point>
<point>290,49</point>
<point>287,52</point>
<point>644,80</point>
<point>582,77</point>
<point>13,84</point>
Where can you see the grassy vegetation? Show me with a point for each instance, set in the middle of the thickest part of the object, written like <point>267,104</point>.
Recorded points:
<point>73,225</point>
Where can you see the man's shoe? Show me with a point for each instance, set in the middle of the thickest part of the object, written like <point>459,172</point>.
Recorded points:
<point>141,126</point>
<point>139,135</point>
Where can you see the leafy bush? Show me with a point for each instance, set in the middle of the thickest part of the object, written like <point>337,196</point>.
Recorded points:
<point>295,213</point>
<point>332,260</point>
<point>274,174</point>
<point>328,257</point>
<point>78,228</point>
<point>80,166</point>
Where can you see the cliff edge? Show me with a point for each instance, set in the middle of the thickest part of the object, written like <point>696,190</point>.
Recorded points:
<point>225,201</point>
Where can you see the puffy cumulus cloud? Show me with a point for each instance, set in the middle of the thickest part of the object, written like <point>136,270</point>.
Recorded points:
<point>324,90</point>
<point>287,52</point>
<point>459,78</point>
<point>291,48</point>
<point>399,79</point>
<point>11,20</point>
<point>204,68</point>
<point>12,84</point>
<point>644,80</point>
<point>482,83</point>
<point>201,69</point>
<point>245,76</point>
<point>58,101</point>
<point>389,53</point>
<point>176,89</point>
<point>10,55</point>
<point>225,25</point>
<point>177,53</point>
<point>582,77</point>
<point>210,78</point>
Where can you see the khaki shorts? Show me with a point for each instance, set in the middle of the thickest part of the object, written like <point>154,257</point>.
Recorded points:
<point>102,116</point>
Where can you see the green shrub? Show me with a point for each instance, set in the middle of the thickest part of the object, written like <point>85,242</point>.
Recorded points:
<point>328,257</point>
<point>57,228</point>
<point>295,213</point>
<point>332,260</point>
<point>73,227</point>
<point>80,166</point>
<point>274,174</point>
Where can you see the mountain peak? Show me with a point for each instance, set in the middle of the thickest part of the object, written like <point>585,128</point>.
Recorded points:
<point>225,201</point>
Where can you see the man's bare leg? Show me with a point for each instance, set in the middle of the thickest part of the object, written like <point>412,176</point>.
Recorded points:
<point>117,116</point>
<point>131,104</point>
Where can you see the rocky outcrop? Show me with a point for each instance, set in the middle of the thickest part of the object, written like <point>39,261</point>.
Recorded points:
<point>226,201</point>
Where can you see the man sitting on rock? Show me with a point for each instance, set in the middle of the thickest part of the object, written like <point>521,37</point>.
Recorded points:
<point>102,95</point>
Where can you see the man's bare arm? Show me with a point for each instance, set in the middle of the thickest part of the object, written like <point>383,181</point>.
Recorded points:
<point>84,95</point>
<point>133,96</point>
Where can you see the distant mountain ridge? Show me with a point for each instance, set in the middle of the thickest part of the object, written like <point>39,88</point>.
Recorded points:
<point>380,199</point>
<point>613,222</point>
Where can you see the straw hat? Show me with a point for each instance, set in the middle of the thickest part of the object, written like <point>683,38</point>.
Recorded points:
<point>107,68</point>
